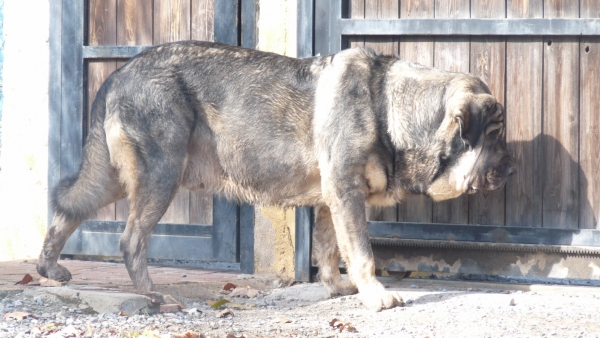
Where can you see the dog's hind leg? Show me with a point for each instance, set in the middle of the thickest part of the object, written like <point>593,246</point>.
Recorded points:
<point>147,205</point>
<point>75,199</point>
<point>327,255</point>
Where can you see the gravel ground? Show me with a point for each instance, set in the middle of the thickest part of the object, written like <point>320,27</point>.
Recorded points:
<point>431,311</point>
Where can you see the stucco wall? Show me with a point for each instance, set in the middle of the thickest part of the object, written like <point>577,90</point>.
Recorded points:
<point>274,227</point>
<point>24,158</point>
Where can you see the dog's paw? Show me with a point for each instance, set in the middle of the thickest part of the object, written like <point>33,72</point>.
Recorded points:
<point>58,273</point>
<point>376,298</point>
<point>342,288</point>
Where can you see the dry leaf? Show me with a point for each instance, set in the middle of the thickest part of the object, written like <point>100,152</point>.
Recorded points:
<point>171,308</point>
<point>341,326</point>
<point>123,313</point>
<point>168,299</point>
<point>229,287</point>
<point>283,320</point>
<point>239,306</point>
<point>215,304</point>
<point>45,282</point>
<point>225,313</point>
<point>16,315</point>
<point>247,292</point>
<point>25,280</point>
<point>187,335</point>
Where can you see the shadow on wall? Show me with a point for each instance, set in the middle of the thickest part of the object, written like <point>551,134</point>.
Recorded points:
<point>550,188</point>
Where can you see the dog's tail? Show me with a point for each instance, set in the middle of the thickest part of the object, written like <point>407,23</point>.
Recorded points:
<point>80,195</point>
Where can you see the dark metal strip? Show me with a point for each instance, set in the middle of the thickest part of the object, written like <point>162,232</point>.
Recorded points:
<point>576,250</point>
<point>249,19</point>
<point>247,238</point>
<point>305,28</point>
<point>198,230</point>
<point>304,225</point>
<point>226,22</point>
<point>112,52</point>
<point>55,99</point>
<point>537,26</point>
<point>485,234</point>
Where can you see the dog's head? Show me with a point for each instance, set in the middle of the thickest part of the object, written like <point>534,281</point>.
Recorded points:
<point>474,155</point>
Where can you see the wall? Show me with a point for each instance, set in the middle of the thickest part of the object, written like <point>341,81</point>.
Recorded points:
<point>274,227</point>
<point>24,160</point>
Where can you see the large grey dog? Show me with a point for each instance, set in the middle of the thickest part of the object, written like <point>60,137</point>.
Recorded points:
<point>335,132</point>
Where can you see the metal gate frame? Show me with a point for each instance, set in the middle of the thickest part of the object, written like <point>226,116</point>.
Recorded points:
<point>435,247</point>
<point>232,232</point>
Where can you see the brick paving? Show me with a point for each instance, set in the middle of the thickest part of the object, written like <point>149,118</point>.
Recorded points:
<point>114,275</point>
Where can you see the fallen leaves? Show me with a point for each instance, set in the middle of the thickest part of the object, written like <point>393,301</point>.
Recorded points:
<point>45,282</point>
<point>216,304</point>
<point>187,335</point>
<point>246,292</point>
<point>229,287</point>
<point>225,313</point>
<point>282,320</point>
<point>16,315</point>
<point>170,308</point>
<point>341,326</point>
<point>26,279</point>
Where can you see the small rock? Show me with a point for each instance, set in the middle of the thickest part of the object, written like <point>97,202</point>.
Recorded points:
<point>84,277</point>
<point>69,321</point>
<point>38,300</point>
<point>412,286</point>
<point>83,306</point>
<point>512,302</point>
<point>184,275</point>
<point>17,303</point>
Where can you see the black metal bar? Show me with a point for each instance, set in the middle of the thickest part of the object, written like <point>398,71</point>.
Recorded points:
<point>247,238</point>
<point>485,234</point>
<point>305,28</point>
<point>329,37</point>
<point>225,230</point>
<point>197,230</point>
<point>249,19</point>
<point>112,52</point>
<point>72,98</point>
<point>304,225</point>
<point>54,98</point>
<point>466,27</point>
<point>226,23</point>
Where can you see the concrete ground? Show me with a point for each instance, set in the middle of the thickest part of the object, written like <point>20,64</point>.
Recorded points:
<point>100,302</point>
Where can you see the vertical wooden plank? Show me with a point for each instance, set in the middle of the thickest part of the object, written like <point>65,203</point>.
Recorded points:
<point>203,14</point>
<point>102,32</point>
<point>382,9</point>
<point>134,28</point>
<point>54,99</point>
<point>172,23</point>
<point>356,11</point>
<point>524,119</point>
<point>589,176</point>
<point>452,54</point>
<point>488,63</point>
<point>201,202</point>
<point>561,123</point>
<point>419,50</point>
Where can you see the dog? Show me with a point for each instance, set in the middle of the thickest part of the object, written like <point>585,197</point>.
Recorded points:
<point>335,132</point>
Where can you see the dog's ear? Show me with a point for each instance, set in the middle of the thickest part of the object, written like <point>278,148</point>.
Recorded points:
<point>471,113</point>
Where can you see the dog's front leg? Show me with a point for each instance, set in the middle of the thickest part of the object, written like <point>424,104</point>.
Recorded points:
<point>349,218</point>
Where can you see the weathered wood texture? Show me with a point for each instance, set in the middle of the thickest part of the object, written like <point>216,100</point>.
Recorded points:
<point>560,124</point>
<point>549,87</point>
<point>452,54</point>
<point>488,63</point>
<point>589,134</point>
<point>420,50</point>
<point>144,23</point>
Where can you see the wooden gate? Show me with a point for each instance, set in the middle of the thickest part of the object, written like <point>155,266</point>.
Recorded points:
<point>541,59</point>
<point>89,40</point>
